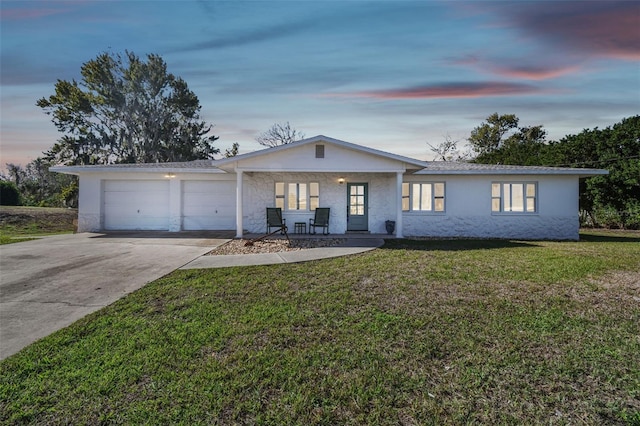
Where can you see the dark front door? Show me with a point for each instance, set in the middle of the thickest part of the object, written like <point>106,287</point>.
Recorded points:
<point>357,200</point>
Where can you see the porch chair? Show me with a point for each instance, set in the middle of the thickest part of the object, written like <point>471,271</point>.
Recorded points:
<point>275,220</point>
<point>321,220</point>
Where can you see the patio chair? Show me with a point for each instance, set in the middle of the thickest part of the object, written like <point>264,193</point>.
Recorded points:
<point>275,220</point>
<point>321,220</point>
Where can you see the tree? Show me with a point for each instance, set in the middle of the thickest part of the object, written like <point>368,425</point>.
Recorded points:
<point>614,199</point>
<point>501,141</point>
<point>126,110</point>
<point>279,134</point>
<point>490,136</point>
<point>40,187</point>
<point>9,194</point>
<point>448,150</point>
<point>233,151</point>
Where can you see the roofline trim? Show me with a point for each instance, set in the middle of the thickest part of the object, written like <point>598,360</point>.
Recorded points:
<point>322,138</point>
<point>76,170</point>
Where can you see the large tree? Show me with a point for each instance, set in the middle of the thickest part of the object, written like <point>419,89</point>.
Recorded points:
<point>127,110</point>
<point>491,134</point>
<point>279,134</point>
<point>499,140</point>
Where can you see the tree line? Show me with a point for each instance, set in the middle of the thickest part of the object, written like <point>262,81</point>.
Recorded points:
<point>126,109</point>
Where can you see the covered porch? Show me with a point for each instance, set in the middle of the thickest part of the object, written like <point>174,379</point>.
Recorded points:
<point>360,203</point>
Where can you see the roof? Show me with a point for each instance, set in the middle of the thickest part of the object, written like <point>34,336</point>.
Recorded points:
<point>419,167</point>
<point>462,168</point>
<point>321,138</point>
<point>196,166</point>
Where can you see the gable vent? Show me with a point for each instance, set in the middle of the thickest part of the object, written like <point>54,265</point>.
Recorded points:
<point>319,151</point>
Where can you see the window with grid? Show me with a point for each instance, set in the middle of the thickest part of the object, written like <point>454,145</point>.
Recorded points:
<point>426,197</point>
<point>297,195</point>
<point>514,197</point>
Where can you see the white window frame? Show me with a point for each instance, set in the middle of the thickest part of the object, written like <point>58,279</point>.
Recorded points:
<point>423,197</point>
<point>297,196</point>
<point>509,197</point>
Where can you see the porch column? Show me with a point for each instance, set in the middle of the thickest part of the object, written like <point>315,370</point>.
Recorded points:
<point>399,176</point>
<point>239,227</point>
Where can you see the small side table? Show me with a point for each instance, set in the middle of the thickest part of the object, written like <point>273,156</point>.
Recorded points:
<point>300,228</point>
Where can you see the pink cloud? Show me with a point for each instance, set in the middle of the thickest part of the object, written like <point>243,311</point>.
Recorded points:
<point>534,72</point>
<point>448,90</point>
<point>39,9</point>
<point>606,29</point>
<point>552,68</point>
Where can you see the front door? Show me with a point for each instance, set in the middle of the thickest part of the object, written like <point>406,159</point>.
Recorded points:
<point>357,199</point>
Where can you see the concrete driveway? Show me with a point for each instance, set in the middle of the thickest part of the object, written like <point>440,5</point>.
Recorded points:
<point>47,284</point>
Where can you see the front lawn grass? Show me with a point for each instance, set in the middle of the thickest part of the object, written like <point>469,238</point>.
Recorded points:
<point>418,332</point>
<point>20,223</point>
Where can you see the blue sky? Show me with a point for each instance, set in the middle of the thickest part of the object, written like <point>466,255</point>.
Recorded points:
<point>391,75</point>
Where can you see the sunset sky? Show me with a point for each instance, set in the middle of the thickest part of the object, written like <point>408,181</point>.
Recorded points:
<point>390,75</point>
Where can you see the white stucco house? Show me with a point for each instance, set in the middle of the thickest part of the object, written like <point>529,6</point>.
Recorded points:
<point>363,187</point>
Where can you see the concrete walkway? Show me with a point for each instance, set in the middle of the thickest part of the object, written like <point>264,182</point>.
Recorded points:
<point>351,246</point>
<point>47,284</point>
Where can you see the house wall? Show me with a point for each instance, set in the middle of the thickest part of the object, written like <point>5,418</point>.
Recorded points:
<point>467,203</point>
<point>259,190</point>
<point>468,210</point>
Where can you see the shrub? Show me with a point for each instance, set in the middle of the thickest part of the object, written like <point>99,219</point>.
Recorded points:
<point>607,217</point>
<point>631,216</point>
<point>9,194</point>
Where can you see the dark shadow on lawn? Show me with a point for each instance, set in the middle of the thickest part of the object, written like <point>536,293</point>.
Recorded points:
<point>609,238</point>
<point>453,245</point>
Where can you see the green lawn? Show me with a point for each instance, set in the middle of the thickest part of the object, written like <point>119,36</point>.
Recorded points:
<point>418,332</point>
<point>20,223</point>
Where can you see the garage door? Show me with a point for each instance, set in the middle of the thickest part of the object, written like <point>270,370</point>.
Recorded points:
<point>136,205</point>
<point>208,205</point>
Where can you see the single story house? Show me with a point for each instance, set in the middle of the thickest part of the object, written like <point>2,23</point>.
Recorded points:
<point>363,187</point>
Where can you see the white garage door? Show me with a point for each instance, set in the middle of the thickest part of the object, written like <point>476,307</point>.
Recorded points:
<point>208,205</point>
<point>136,205</point>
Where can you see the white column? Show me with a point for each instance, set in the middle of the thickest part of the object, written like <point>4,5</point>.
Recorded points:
<point>239,226</point>
<point>175,204</point>
<point>399,176</point>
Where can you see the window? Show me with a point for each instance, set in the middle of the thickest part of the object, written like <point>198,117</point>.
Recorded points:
<point>427,197</point>
<point>406,199</point>
<point>509,197</point>
<point>319,151</point>
<point>280,195</point>
<point>298,196</point>
<point>314,196</point>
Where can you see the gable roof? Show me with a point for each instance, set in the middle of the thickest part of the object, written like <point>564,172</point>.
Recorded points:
<point>321,138</point>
